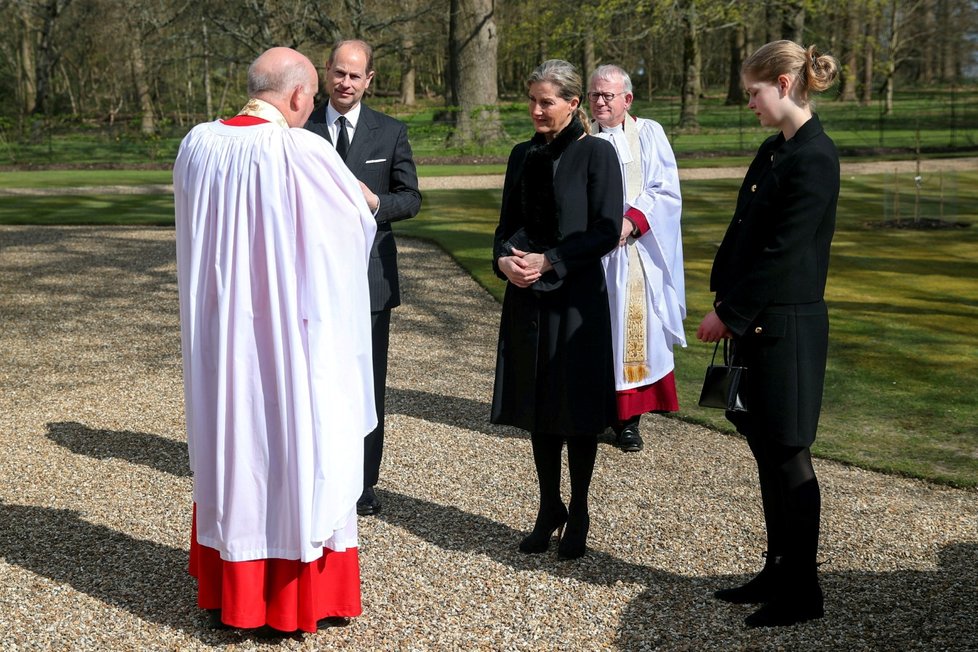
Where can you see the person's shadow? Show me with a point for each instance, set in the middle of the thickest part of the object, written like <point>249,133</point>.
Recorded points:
<point>937,609</point>
<point>142,448</point>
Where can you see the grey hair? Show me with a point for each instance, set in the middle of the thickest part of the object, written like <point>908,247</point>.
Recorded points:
<point>610,72</point>
<point>282,80</point>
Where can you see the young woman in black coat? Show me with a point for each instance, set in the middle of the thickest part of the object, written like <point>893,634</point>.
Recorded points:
<point>561,212</point>
<point>769,277</point>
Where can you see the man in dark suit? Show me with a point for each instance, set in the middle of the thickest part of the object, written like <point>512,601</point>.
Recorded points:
<point>376,149</point>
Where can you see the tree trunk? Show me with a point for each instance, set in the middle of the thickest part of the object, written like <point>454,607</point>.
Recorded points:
<point>738,44</point>
<point>148,121</point>
<point>850,60</point>
<point>692,89</point>
<point>891,60</point>
<point>793,22</point>
<point>208,98</point>
<point>929,65</point>
<point>27,71</point>
<point>588,59</point>
<point>869,55</point>
<point>473,49</point>
<point>47,55</point>
<point>408,72</point>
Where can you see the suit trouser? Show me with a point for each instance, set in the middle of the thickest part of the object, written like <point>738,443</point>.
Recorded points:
<point>373,444</point>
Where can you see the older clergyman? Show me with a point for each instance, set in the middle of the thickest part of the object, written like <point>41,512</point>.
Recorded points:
<point>273,240</point>
<point>646,288</point>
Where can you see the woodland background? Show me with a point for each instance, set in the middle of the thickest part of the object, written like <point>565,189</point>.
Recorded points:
<point>156,67</point>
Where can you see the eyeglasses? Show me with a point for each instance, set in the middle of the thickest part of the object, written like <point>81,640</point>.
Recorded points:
<point>607,97</point>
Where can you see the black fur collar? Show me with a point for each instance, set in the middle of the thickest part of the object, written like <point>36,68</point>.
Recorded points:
<point>539,204</point>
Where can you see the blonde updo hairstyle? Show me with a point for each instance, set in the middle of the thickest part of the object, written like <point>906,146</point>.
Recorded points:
<point>816,72</point>
<point>564,77</point>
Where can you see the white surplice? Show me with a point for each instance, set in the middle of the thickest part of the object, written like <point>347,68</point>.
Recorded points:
<point>651,179</point>
<point>273,239</point>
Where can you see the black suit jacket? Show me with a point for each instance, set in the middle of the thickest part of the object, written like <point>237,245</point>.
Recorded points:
<point>769,277</point>
<point>380,156</point>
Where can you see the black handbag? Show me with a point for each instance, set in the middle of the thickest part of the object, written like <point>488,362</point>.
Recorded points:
<point>724,384</point>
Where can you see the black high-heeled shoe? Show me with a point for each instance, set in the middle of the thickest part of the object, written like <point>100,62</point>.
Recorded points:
<point>547,523</point>
<point>573,545</point>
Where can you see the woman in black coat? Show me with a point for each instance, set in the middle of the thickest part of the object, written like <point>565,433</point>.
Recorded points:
<point>561,212</point>
<point>769,277</point>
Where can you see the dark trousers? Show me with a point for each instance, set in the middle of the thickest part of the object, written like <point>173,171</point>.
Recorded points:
<point>373,444</point>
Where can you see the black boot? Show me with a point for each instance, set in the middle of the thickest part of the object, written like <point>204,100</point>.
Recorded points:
<point>759,589</point>
<point>797,598</point>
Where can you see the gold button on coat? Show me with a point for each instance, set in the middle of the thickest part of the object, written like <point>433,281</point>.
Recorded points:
<point>753,188</point>
<point>758,330</point>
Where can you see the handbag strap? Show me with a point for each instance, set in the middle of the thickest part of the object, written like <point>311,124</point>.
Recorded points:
<point>728,357</point>
<point>713,360</point>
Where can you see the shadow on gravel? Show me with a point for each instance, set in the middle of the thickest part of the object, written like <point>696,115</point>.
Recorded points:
<point>141,448</point>
<point>458,412</point>
<point>885,611</point>
<point>147,579</point>
<point>902,610</point>
<point>449,410</point>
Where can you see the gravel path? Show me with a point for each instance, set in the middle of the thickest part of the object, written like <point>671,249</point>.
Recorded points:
<point>95,494</point>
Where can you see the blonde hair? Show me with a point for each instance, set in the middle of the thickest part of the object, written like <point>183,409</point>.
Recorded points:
<point>816,72</point>
<point>564,77</point>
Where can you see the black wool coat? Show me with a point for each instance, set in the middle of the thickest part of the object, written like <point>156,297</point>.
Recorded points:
<point>554,366</point>
<point>769,276</point>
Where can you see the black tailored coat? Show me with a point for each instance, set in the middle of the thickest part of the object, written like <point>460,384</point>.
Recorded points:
<point>554,366</point>
<point>769,277</point>
<point>380,156</point>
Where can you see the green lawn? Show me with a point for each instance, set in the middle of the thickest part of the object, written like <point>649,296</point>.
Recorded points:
<point>899,394</point>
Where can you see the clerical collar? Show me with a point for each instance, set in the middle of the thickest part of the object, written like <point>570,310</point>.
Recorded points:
<point>264,110</point>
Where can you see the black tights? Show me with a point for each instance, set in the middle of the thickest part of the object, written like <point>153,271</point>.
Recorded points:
<point>581,453</point>
<point>790,497</point>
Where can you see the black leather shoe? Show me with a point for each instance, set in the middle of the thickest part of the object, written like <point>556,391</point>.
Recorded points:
<point>368,504</point>
<point>332,621</point>
<point>629,440</point>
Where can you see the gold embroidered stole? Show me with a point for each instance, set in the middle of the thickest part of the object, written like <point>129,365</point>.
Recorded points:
<point>262,109</point>
<point>635,353</point>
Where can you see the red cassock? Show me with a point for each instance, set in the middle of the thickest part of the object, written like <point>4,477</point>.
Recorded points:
<point>285,594</point>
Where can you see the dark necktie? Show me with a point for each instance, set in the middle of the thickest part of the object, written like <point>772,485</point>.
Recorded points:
<point>342,138</point>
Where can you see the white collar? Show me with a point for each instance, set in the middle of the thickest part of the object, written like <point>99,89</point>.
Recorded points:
<point>352,116</point>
